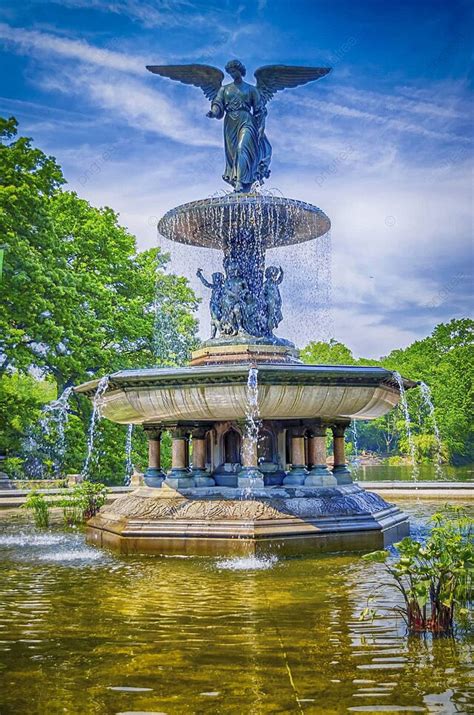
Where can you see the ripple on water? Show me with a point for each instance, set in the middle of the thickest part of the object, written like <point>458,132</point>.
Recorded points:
<point>129,689</point>
<point>84,554</point>
<point>247,563</point>
<point>23,539</point>
<point>51,547</point>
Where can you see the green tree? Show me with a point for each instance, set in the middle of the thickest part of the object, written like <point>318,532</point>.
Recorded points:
<point>78,300</point>
<point>28,179</point>
<point>21,400</point>
<point>445,362</point>
<point>330,353</point>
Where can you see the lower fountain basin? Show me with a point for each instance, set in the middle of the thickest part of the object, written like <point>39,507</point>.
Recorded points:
<point>219,392</point>
<point>221,521</point>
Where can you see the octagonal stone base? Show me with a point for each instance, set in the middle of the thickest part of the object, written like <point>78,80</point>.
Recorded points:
<point>223,521</point>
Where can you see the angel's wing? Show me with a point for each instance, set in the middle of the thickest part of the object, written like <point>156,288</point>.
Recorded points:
<point>272,78</point>
<point>208,78</point>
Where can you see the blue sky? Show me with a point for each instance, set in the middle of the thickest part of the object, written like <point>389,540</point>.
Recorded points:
<point>383,144</point>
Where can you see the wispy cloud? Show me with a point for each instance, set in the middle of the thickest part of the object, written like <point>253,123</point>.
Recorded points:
<point>133,102</point>
<point>398,124</point>
<point>160,13</point>
<point>108,85</point>
<point>27,41</point>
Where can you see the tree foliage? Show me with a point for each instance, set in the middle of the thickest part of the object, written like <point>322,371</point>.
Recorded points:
<point>77,299</point>
<point>445,362</point>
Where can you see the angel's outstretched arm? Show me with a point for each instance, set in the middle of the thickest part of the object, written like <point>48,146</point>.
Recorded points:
<point>217,106</point>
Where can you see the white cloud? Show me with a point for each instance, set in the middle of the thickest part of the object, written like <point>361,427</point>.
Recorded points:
<point>103,77</point>
<point>160,13</point>
<point>47,44</point>
<point>132,101</point>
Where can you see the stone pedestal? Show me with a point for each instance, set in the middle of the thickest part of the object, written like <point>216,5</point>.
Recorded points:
<point>154,476</point>
<point>73,479</point>
<point>179,476</point>
<point>5,482</point>
<point>298,471</point>
<point>249,476</point>
<point>282,520</point>
<point>137,479</point>
<point>199,472</point>
<point>340,470</point>
<point>319,475</point>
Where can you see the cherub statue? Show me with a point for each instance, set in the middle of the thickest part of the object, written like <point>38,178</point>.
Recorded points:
<point>243,106</point>
<point>272,297</point>
<point>215,304</point>
<point>233,300</point>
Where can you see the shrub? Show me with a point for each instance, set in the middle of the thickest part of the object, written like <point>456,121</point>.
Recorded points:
<point>83,502</point>
<point>40,508</point>
<point>436,577</point>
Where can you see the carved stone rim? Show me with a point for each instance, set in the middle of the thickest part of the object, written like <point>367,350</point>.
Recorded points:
<point>268,374</point>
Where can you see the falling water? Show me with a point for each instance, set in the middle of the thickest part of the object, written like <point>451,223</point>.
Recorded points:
<point>128,456</point>
<point>252,421</point>
<point>55,417</point>
<point>323,284</point>
<point>354,437</point>
<point>47,439</point>
<point>355,445</point>
<point>95,417</point>
<point>406,413</point>
<point>428,403</point>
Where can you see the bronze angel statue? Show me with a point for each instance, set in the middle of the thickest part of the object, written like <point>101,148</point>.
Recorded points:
<point>247,150</point>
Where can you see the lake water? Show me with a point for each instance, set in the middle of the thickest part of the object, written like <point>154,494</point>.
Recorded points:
<point>404,473</point>
<point>84,631</point>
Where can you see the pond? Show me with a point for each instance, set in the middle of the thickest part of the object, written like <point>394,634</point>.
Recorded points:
<point>404,473</point>
<point>84,631</point>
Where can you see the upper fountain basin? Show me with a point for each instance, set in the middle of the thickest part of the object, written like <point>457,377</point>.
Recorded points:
<point>219,392</point>
<point>275,220</point>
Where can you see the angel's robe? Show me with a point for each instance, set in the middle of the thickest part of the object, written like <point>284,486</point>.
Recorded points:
<point>247,150</point>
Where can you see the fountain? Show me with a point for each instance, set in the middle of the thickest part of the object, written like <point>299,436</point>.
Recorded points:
<point>248,420</point>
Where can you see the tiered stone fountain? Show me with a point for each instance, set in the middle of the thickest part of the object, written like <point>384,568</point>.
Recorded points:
<point>231,487</point>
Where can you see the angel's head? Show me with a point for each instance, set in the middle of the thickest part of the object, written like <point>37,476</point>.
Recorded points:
<point>271,273</point>
<point>235,68</point>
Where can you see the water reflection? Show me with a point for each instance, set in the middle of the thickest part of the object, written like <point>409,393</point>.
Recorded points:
<point>193,635</point>
<point>404,473</point>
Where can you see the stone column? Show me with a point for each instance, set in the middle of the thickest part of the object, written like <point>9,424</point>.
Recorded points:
<point>298,471</point>
<point>179,476</point>
<point>340,469</point>
<point>154,476</point>
<point>249,476</point>
<point>199,472</point>
<point>319,475</point>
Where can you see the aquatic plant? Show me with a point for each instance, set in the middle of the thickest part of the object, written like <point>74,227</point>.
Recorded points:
<point>435,578</point>
<point>83,502</point>
<point>40,509</point>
